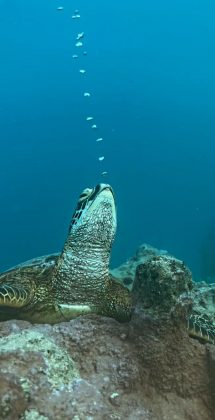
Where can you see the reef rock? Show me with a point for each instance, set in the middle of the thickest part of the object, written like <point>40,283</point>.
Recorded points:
<point>93,367</point>
<point>126,272</point>
<point>96,368</point>
<point>160,283</point>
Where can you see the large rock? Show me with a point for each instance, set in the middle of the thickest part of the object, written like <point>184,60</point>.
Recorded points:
<point>125,273</point>
<point>160,284</point>
<point>96,368</point>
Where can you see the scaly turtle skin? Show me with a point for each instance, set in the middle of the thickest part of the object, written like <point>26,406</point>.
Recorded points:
<point>60,287</point>
<point>201,328</point>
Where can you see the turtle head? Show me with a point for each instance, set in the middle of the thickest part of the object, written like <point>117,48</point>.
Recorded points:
<point>94,220</point>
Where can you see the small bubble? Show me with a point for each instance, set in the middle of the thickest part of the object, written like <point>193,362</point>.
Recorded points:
<point>87,94</point>
<point>80,36</point>
<point>79,44</point>
<point>101,158</point>
<point>94,126</point>
<point>99,139</point>
<point>60,8</point>
<point>82,71</point>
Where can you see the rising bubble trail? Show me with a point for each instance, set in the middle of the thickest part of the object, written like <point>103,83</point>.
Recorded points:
<point>80,55</point>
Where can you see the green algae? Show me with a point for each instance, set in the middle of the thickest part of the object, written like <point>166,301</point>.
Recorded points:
<point>59,366</point>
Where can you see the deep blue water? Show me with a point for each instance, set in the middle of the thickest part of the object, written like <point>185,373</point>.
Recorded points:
<point>150,69</point>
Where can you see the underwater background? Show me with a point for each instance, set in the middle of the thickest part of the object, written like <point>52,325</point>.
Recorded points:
<point>150,70</point>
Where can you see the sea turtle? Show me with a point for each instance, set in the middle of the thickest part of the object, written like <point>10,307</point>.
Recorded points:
<point>77,281</point>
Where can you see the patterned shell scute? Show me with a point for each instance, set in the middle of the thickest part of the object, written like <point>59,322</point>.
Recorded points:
<point>44,262</point>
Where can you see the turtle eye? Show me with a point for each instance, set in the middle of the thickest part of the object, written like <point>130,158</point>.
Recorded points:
<point>82,202</point>
<point>85,193</point>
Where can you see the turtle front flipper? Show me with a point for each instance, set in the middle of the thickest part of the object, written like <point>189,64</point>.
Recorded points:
<point>201,328</point>
<point>13,296</point>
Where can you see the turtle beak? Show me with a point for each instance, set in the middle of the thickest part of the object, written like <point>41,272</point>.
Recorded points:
<point>102,188</point>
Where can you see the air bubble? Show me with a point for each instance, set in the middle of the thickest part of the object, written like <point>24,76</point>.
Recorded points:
<point>80,36</point>
<point>79,44</point>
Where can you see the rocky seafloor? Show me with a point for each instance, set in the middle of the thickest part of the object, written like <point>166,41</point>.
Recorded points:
<point>94,367</point>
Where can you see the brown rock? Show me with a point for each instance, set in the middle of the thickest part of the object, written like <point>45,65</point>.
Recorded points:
<point>94,368</point>
<point>155,372</point>
<point>12,398</point>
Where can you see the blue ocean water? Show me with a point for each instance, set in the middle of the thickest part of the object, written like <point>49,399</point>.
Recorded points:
<point>150,69</point>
